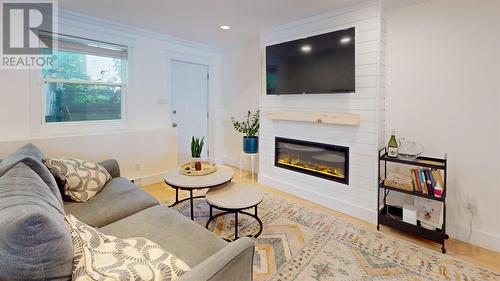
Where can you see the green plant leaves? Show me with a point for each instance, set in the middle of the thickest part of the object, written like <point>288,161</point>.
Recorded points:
<point>249,127</point>
<point>197,146</point>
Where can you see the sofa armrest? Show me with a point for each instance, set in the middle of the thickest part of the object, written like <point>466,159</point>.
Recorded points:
<point>233,262</point>
<point>111,165</point>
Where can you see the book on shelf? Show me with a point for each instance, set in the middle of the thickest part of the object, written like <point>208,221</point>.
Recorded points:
<point>418,186</point>
<point>427,181</point>
<point>422,181</point>
<point>439,183</point>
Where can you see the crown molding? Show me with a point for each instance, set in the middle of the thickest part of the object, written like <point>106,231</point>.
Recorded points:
<point>129,31</point>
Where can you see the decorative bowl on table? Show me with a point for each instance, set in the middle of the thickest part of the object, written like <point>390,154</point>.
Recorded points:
<point>409,150</point>
<point>206,169</point>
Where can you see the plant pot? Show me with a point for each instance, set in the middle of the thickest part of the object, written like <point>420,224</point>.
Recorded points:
<point>250,144</point>
<point>196,163</point>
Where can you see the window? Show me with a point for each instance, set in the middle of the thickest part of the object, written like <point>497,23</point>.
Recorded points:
<point>86,82</point>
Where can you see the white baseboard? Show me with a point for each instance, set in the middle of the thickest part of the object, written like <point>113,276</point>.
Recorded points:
<point>348,208</point>
<point>149,179</point>
<point>231,161</point>
<point>477,237</point>
<point>235,162</point>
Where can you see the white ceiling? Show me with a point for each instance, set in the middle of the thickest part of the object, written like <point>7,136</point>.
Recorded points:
<point>199,20</point>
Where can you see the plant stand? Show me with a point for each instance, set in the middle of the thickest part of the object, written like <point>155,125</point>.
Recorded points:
<point>252,162</point>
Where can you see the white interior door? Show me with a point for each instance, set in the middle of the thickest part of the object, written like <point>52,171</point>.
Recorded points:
<point>189,106</point>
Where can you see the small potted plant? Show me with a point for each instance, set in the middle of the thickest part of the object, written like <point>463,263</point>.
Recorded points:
<point>250,128</point>
<point>196,148</point>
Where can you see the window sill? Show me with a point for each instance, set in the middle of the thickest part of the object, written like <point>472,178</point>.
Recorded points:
<point>84,123</point>
<point>54,129</point>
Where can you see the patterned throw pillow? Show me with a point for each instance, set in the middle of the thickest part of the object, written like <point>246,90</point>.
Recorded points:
<point>81,179</point>
<point>103,257</point>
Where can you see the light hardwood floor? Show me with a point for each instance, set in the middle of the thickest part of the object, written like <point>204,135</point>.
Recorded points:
<point>455,248</point>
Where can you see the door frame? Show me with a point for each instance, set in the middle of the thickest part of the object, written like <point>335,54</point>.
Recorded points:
<point>209,60</point>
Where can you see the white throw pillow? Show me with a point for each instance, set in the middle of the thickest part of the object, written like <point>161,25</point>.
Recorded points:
<point>81,179</point>
<point>104,257</point>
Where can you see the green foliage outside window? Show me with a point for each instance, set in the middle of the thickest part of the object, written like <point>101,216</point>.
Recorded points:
<point>83,87</point>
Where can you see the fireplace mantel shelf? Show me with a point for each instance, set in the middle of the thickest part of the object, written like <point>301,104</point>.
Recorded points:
<point>338,118</point>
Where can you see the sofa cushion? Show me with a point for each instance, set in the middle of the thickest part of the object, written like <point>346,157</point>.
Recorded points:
<point>118,199</point>
<point>111,165</point>
<point>172,231</point>
<point>81,179</point>
<point>32,157</point>
<point>105,257</point>
<point>35,243</point>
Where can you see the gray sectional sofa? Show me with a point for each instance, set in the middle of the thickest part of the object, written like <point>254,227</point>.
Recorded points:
<point>36,245</point>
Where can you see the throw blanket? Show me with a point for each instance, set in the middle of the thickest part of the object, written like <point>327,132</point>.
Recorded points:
<point>103,257</point>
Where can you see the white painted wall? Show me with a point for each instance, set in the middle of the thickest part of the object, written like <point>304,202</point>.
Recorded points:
<point>359,197</point>
<point>443,61</point>
<point>240,90</point>
<point>145,137</point>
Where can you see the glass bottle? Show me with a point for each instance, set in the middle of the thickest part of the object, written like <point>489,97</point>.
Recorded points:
<point>392,146</point>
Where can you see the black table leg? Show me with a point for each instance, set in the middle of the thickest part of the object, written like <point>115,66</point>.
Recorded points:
<point>236,219</point>
<point>236,225</point>
<point>191,201</point>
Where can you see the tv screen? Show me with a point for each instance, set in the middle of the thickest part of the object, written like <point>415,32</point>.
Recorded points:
<point>314,65</point>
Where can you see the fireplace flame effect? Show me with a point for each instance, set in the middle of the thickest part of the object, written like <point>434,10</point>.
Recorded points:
<point>311,166</point>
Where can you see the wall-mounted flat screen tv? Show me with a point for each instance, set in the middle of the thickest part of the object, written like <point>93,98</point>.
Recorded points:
<point>320,64</point>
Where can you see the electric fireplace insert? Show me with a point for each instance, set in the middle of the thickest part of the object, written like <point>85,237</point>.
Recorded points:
<point>317,159</point>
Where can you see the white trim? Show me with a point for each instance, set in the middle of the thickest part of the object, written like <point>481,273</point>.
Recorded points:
<point>320,17</point>
<point>102,24</point>
<point>366,214</point>
<point>59,128</point>
<point>65,81</point>
<point>170,62</point>
<point>38,127</point>
<point>149,179</point>
<point>477,237</point>
<point>211,61</point>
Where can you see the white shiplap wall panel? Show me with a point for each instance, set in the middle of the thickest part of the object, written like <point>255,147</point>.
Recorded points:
<point>367,36</point>
<point>358,189</point>
<point>367,58</point>
<point>359,197</point>
<point>367,69</point>
<point>322,131</point>
<point>366,47</point>
<point>325,102</point>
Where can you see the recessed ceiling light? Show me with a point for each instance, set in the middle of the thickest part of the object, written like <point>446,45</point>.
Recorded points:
<point>306,48</point>
<point>345,40</point>
<point>225,27</point>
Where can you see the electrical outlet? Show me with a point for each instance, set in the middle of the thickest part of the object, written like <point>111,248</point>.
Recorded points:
<point>471,205</point>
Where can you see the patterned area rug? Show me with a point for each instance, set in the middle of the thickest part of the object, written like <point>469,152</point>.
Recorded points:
<point>302,244</point>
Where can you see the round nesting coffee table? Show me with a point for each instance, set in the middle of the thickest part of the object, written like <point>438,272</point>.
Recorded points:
<point>233,198</point>
<point>179,181</point>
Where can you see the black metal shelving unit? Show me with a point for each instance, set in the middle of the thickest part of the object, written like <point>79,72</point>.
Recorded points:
<point>383,218</point>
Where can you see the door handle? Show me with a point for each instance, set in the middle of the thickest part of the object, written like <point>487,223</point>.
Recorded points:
<point>174,125</point>
<point>174,111</point>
